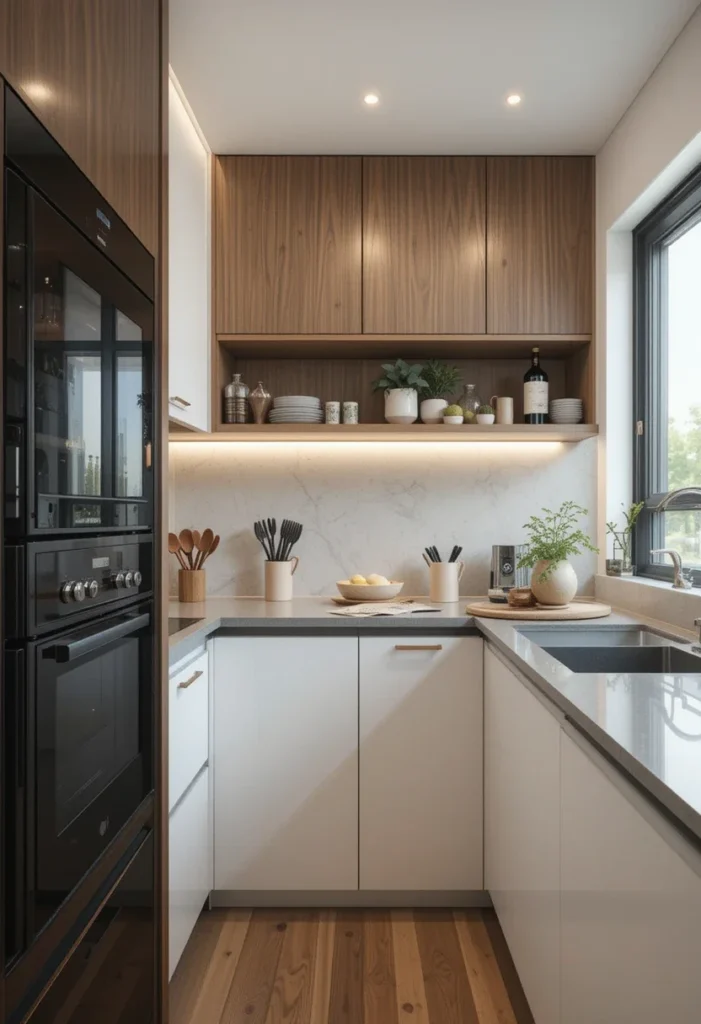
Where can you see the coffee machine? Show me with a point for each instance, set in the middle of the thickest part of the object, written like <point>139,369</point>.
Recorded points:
<point>505,574</point>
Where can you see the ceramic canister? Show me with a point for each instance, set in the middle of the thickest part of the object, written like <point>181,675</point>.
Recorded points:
<point>444,579</point>
<point>278,579</point>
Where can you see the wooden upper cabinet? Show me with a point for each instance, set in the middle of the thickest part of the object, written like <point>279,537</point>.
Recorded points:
<point>287,244</point>
<point>539,245</point>
<point>91,71</point>
<point>424,245</point>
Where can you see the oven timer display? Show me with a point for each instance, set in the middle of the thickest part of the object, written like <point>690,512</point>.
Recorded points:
<point>101,563</point>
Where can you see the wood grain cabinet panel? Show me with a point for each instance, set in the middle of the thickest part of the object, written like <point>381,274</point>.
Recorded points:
<point>424,245</point>
<point>539,245</point>
<point>90,69</point>
<point>287,247</point>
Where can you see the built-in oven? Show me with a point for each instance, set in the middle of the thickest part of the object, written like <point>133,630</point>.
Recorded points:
<point>79,329</point>
<point>78,757</point>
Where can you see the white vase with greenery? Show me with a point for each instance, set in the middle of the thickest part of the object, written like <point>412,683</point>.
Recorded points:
<point>552,538</point>
<point>442,381</point>
<point>401,384</point>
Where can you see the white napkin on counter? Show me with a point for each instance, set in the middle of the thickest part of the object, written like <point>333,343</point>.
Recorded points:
<point>371,608</point>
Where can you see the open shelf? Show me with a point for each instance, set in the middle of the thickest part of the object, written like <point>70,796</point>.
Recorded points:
<point>390,346</point>
<point>392,432</point>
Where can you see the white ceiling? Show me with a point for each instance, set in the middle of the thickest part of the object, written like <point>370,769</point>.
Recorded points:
<point>288,76</point>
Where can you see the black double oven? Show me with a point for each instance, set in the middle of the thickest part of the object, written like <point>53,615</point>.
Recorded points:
<point>78,705</point>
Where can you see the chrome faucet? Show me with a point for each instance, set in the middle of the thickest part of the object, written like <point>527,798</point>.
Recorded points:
<point>697,647</point>
<point>680,580</point>
<point>660,502</point>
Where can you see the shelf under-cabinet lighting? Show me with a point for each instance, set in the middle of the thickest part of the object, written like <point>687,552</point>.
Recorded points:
<point>388,433</point>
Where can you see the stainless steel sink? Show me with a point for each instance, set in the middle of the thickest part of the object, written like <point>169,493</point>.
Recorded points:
<point>593,636</point>
<point>641,659</point>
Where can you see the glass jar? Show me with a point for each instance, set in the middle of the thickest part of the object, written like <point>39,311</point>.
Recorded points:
<point>470,402</point>
<point>236,401</point>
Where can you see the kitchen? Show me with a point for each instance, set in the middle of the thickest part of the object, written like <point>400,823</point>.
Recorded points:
<point>301,330</point>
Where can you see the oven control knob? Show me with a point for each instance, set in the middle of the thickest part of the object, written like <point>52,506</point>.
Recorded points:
<point>117,579</point>
<point>137,578</point>
<point>92,588</point>
<point>72,590</point>
<point>78,591</point>
<point>128,579</point>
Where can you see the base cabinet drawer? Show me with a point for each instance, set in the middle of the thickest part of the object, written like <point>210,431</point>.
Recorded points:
<point>190,873</point>
<point>188,725</point>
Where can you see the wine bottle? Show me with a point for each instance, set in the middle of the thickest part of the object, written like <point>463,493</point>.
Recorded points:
<point>535,391</point>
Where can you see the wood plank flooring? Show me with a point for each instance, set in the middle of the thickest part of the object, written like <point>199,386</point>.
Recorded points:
<point>347,967</point>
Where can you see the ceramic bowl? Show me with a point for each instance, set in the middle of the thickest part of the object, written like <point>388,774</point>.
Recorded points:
<point>453,420</point>
<point>485,419</point>
<point>367,592</point>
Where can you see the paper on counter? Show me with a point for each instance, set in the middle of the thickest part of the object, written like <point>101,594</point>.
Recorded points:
<point>372,608</point>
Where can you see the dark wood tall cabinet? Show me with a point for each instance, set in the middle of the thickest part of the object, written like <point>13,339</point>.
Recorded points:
<point>287,244</point>
<point>90,69</point>
<point>539,245</point>
<point>424,245</point>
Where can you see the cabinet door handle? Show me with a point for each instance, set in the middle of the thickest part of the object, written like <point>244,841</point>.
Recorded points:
<point>182,403</point>
<point>188,682</point>
<point>418,647</point>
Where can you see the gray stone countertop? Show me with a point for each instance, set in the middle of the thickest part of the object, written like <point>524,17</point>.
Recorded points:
<point>647,724</point>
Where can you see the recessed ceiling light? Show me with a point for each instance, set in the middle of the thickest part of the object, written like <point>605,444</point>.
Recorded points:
<point>372,99</point>
<point>513,99</point>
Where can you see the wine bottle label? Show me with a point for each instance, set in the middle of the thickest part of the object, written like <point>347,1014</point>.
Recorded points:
<point>535,397</point>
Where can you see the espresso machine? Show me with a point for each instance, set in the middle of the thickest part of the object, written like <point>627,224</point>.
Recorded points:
<point>504,574</point>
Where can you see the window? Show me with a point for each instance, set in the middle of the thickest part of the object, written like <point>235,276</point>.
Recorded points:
<point>667,247</point>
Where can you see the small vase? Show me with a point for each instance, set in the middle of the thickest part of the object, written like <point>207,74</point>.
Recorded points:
<point>432,410</point>
<point>401,405</point>
<point>560,585</point>
<point>260,401</point>
<point>485,419</point>
<point>470,403</point>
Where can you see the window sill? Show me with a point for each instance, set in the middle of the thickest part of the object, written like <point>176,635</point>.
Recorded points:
<point>656,599</point>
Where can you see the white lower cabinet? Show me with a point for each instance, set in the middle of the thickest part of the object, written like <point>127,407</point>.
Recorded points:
<point>286,763</point>
<point>522,832</point>
<point>190,864</point>
<point>421,763</point>
<point>631,903</point>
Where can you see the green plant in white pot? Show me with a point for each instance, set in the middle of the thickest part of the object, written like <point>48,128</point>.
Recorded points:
<point>552,538</point>
<point>442,381</point>
<point>401,384</point>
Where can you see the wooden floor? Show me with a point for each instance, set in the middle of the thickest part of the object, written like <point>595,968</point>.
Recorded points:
<point>347,967</point>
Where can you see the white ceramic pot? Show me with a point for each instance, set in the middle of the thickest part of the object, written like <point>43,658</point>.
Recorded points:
<point>444,578</point>
<point>485,418</point>
<point>453,421</point>
<point>401,405</point>
<point>560,586</point>
<point>278,579</point>
<point>432,410</point>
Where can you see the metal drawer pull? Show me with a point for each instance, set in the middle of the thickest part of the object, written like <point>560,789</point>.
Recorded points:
<point>181,402</point>
<point>188,682</point>
<point>418,647</point>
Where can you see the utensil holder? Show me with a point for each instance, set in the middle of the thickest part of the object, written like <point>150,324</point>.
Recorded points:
<point>278,579</point>
<point>444,579</point>
<point>192,585</point>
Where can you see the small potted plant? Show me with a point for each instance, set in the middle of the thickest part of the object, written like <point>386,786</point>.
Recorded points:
<point>621,563</point>
<point>452,414</point>
<point>551,539</point>
<point>485,415</point>
<point>441,382</point>
<point>401,384</point>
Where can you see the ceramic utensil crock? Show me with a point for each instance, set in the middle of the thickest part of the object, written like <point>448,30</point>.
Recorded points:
<point>278,579</point>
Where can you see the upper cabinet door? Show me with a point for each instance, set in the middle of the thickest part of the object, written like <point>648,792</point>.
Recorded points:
<point>287,245</point>
<point>92,74</point>
<point>539,245</point>
<point>424,245</point>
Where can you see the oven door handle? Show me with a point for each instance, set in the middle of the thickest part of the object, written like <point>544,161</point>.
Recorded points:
<point>97,638</point>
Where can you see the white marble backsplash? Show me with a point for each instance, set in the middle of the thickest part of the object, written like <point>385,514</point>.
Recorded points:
<point>374,507</point>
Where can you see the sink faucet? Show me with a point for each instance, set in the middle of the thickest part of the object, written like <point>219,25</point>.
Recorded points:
<point>680,580</point>
<point>697,647</point>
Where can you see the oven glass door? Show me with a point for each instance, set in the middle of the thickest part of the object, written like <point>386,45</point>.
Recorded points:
<point>86,335</point>
<point>93,759</point>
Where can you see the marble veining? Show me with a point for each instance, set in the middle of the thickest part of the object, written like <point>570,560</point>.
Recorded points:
<point>374,507</point>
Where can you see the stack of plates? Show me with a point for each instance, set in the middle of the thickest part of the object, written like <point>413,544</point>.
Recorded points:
<point>296,409</point>
<point>566,410</point>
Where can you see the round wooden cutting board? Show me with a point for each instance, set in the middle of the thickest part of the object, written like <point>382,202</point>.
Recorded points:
<point>576,610</point>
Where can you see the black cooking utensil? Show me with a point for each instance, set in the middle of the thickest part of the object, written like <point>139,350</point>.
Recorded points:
<point>272,529</point>
<point>455,553</point>
<point>293,533</point>
<point>281,541</point>
<point>259,530</point>
<point>436,556</point>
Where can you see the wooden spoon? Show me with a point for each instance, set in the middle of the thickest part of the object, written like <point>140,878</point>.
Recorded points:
<point>204,546</point>
<point>213,548</point>
<point>174,548</point>
<point>187,544</point>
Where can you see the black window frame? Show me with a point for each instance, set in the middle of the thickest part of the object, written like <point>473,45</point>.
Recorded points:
<point>675,215</point>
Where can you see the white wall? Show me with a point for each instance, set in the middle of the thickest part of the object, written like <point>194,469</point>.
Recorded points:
<point>374,507</point>
<point>654,146</point>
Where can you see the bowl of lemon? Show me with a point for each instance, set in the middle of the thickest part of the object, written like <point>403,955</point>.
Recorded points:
<point>369,588</point>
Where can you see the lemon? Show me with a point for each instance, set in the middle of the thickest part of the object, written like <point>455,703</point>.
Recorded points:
<point>358,579</point>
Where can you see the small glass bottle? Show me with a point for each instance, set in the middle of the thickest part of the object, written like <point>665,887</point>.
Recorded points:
<point>470,403</point>
<point>236,401</point>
